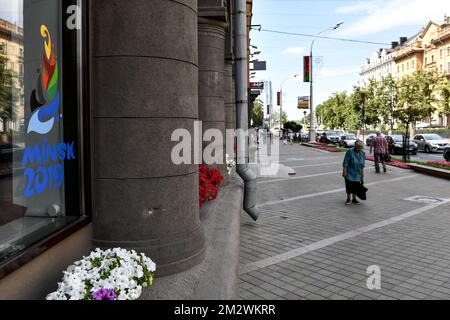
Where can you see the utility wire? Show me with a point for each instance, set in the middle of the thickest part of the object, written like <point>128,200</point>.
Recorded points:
<point>323,37</point>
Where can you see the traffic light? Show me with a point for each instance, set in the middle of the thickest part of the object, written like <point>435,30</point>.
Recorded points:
<point>306,69</point>
<point>278,98</point>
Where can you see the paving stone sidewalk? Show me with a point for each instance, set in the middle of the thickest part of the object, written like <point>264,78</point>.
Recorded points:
<point>308,245</point>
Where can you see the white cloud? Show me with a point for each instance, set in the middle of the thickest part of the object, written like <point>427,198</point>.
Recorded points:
<point>362,7</point>
<point>294,50</point>
<point>397,13</point>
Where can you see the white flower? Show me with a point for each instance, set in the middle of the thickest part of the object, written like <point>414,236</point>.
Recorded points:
<point>123,269</point>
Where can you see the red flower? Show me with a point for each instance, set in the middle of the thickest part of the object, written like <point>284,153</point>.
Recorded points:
<point>209,184</point>
<point>441,163</point>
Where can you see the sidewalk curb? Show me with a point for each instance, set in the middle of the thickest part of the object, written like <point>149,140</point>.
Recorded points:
<point>430,171</point>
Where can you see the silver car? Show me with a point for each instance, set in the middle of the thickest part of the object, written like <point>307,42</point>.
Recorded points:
<point>347,140</point>
<point>430,142</point>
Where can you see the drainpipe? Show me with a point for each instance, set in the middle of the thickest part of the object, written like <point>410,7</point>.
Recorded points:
<point>241,73</point>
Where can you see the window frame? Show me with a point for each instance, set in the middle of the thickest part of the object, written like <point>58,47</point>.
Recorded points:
<point>85,218</point>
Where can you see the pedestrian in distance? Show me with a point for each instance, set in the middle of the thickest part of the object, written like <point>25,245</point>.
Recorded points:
<point>285,137</point>
<point>379,146</point>
<point>353,172</point>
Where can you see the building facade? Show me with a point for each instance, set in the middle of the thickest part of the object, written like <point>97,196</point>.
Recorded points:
<point>11,42</point>
<point>378,66</point>
<point>105,84</point>
<point>409,57</point>
<point>427,50</point>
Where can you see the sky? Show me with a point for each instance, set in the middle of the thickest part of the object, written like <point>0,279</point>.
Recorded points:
<point>339,62</point>
<point>11,10</point>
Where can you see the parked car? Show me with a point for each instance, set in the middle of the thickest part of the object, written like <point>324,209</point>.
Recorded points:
<point>369,139</point>
<point>347,140</point>
<point>329,137</point>
<point>318,135</point>
<point>447,154</point>
<point>304,136</point>
<point>430,142</point>
<point>395,145</point>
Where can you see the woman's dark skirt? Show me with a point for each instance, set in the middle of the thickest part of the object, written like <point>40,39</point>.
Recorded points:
<point>352,186</point>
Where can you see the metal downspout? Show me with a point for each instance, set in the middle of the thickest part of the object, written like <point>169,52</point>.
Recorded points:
<point>241,73</point>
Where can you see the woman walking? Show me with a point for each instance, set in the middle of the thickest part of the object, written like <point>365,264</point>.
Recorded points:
<point>353,172</point>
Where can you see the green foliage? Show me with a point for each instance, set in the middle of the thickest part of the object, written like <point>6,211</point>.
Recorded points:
<point>444,92</point>
<point>293,126</point>
<point>276,118</point>
<point>387,100</point>
<point>413,99</point>
<point>416,97</point>
<point>257,115</point>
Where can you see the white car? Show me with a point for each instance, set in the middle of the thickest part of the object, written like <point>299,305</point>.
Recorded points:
<point>347,140</point>
<point>431,142</point>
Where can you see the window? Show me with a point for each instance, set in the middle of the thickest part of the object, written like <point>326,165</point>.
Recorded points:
<point>407,66</point>
<point>448,68</point>
<point>412,63</point>
<point>432,58</point>
<point>40,168</point>
<point>441,53</point>
<point>426,60</point>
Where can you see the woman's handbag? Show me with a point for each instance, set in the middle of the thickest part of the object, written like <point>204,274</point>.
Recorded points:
<point>362,191</point>
<point>387,157</point>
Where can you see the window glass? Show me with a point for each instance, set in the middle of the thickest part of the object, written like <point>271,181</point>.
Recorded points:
<point>40,109</point>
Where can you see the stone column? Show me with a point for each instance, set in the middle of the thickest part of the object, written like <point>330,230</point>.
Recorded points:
<point>211,94</point>
<point>230,106</point>
<point>144,86</point>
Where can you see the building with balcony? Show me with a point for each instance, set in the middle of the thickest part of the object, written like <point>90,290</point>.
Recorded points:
<point>409,56</point>
<point>11,45</point>
<point>379,65</point>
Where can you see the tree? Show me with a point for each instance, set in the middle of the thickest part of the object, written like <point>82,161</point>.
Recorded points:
<point>257,115</point>
<point>415,101</point>
<point>373,103</point>
<point>444,98</point>
<point>428,83</point>
<point>387,95</point>
<point>8,98</point>
<point>293,126</point>
<point>276,118</point>
<point>340,111</point>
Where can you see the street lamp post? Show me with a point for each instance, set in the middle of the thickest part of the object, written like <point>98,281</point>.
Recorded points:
<point>312,133</point>
<point>281,101</point>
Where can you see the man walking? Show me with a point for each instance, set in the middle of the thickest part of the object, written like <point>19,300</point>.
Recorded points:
<point>380,148</point>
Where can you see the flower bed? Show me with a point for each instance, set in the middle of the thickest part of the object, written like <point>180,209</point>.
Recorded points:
<point>326,147</point>
<point>444,164</point>
<point>209,184</point>
<point>393,163</point>
<point>114,274</point>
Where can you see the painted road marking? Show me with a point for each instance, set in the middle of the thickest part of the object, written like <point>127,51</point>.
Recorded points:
<point>253,266</point>
<point>316,165</point>
<point>303,177</point>
<point>332,191</point>
<point>307,159</point>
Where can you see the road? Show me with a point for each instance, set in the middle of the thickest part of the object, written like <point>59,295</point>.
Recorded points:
<point>307,245</point>
<point>421,156</point>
